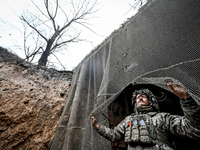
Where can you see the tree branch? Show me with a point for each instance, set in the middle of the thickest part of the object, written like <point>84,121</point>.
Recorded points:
<point>22,18</point>
<point>59,61</point>
<point>64,42</point>
<point>50,16</point>
<point>56,9</point>
<point>39,9</point>
<point>64,14</point>
<point>83,24</point>
<point>41,21</point>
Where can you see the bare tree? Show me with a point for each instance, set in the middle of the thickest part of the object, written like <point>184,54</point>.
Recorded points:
<point>47,27</point>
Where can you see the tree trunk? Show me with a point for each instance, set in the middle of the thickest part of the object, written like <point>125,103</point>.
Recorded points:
<point>44,58</point>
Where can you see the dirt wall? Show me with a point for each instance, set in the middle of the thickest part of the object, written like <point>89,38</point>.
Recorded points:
<point>31,103</point>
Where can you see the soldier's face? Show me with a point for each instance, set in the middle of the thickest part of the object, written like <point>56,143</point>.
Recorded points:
<point>142,100</point>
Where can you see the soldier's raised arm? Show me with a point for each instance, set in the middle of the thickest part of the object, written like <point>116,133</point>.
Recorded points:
<point>178,90</point>
<point>189,124</point>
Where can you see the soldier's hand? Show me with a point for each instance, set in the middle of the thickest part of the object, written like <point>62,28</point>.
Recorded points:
<point>177,89</point>
<point>94,121</point>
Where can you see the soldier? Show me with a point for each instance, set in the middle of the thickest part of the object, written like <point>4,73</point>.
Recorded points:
<point>149,129</point>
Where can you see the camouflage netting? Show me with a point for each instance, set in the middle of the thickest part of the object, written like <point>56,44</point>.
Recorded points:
<point>160,41</point>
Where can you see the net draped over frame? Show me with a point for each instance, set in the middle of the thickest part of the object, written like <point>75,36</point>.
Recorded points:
<point>161,40</point>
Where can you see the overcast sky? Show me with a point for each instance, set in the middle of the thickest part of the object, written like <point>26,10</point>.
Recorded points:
<point>111,14</point>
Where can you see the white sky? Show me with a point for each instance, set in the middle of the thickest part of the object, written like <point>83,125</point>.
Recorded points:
<point>111,14</point>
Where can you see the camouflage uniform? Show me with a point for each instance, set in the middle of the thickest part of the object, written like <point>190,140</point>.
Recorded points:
<point>152,130</point>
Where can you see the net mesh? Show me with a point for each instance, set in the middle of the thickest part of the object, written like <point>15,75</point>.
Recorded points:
<point>160,41</point>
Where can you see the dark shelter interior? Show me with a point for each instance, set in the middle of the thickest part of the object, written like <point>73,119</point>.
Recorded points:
<point>161,41</point>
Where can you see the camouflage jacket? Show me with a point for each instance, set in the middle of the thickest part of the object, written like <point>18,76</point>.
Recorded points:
<point>152,132</point>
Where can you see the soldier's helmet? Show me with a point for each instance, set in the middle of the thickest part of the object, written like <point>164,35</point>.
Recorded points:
<point>153,102</point>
